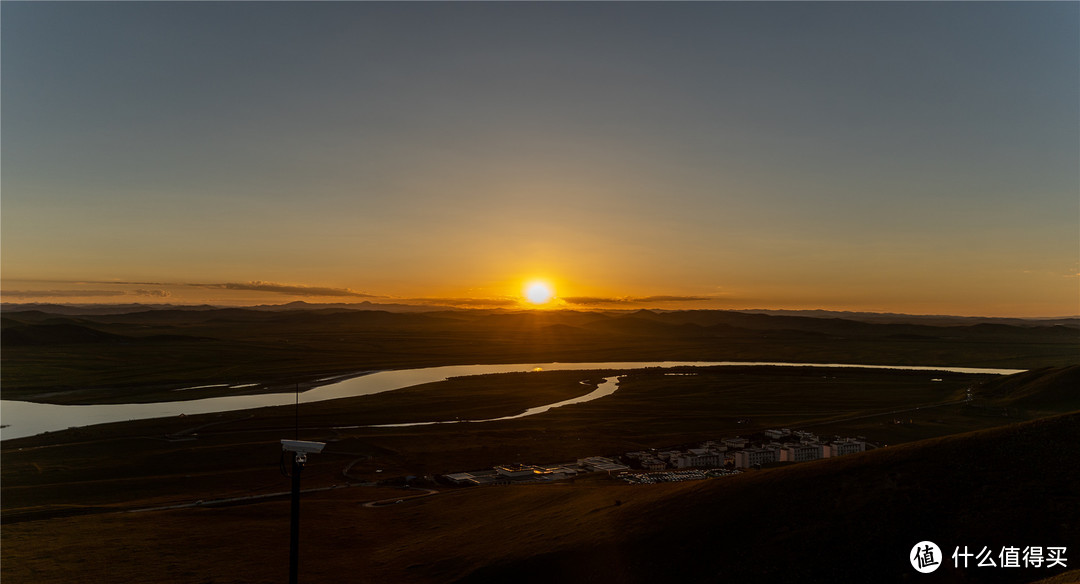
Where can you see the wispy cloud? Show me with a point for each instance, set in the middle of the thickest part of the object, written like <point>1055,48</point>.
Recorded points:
<point>82,293</point>
<point>144,290</point>
<point>89,282</point>
<point>672,299</point>
<point>587,300</point>
<point>473,302</point>
<point>594,300</point>
<point>292,290</point>
<point>155,290</point>
<point>156,293</point>
<point>122,283</point>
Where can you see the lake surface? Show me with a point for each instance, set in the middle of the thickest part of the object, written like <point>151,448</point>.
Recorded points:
<point>21,419</point>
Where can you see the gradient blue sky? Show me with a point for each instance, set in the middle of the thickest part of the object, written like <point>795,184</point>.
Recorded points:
<point>905,157</point>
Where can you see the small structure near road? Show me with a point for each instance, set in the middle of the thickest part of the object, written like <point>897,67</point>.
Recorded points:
<point>514,473</point>
<point>601,464</point>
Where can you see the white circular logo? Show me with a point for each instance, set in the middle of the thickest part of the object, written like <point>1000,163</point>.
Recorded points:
<point>925,557</point>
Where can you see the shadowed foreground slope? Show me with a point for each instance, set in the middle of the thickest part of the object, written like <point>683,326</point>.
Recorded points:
<point>1047,388</point>
<point>851,519</point>
<point>843,520</point>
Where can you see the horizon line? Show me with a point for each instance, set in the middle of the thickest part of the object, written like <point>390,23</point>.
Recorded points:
<point>440,308</point>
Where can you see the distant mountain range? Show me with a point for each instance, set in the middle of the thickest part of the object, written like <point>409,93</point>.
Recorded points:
<point>688,316</point>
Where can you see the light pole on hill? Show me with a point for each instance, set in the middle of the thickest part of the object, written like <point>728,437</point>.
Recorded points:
<point>299,450</point>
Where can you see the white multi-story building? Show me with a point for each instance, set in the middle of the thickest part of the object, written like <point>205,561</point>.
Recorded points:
<point>653,464</point>
<point>698,458</point>
<point>748,457</point>
<point>847,446</point>
<point>801,452</point>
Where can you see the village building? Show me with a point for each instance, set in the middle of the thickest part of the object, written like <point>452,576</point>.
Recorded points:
<point>749,457</point>
<point>699,458</point>
<point>846,446</point>
<point>801,452</point>
<point>735,442</point>
<point>601,464</point>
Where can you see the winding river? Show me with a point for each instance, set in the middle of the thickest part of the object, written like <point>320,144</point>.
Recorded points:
<point>19,419</point>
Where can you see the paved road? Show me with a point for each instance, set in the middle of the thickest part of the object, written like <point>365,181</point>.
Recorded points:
<point>395,500</point>
<point>888,413</point>
<point>237,500</point>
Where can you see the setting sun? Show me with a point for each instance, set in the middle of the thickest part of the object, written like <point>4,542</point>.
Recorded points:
<point>539,292</point>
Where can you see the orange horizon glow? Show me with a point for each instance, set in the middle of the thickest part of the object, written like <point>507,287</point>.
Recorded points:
<point>513,292</point>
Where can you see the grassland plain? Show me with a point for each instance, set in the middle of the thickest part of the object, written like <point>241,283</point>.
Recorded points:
<point>143,356</point>
<point>237,452</point>
<point>177,460</point>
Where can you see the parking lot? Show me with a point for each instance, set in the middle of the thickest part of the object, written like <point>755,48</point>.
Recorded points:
<point>674,476</point>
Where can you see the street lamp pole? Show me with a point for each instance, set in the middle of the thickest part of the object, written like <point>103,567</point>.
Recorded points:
<point>299,458</point>
<point>299,450</point>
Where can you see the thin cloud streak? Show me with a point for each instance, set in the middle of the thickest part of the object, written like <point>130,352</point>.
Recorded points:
<point>592,300</point>
<point>300,290</point>
<point>92,282</point>
<point>82,293</point>
<point>254,286</point>
<point>292,290</point>
<point>472,302</point>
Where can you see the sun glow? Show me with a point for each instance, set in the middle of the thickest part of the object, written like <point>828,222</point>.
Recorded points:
<point>539,292</point>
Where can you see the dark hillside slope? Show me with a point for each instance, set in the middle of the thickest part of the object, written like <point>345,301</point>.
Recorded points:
<point>14,335</point>
<point>1046,388</point>
<point>851,519</point>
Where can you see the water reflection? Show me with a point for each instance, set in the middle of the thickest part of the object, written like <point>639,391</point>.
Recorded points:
<point>26,419</point>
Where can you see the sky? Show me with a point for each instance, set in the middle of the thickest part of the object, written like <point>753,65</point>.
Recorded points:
<point>893,157</point>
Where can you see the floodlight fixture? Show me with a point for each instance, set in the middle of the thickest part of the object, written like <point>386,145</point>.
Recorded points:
<point>302,446</point>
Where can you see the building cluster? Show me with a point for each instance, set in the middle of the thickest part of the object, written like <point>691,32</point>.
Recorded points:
<point>781,445</point>
<point>786,445</point>
<point>708,455</point>
<point>770,446</point>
